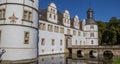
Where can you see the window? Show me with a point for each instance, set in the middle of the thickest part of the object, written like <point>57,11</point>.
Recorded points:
<point>56,29</point>
<point>74,32</point>
<point>53,42</point>
<point>62,30</point>
<point>42,26</point>
<point>68,31</point>
<point>78,33</point>
<point>26,37</point>
<point>92,42</point>
<point>27,15</point>
<point>52,50</point>
<point>2,13</point>
<point>60,49</point>
<point>42,41</point>
<point>92,35</point>
<point>50,27</point>
<point>91,26</point>
<point>61,42</point>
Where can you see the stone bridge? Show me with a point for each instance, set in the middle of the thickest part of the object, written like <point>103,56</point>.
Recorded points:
<point>94,50</point>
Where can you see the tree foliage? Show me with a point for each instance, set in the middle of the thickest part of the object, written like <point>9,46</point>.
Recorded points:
<point>109,32</point>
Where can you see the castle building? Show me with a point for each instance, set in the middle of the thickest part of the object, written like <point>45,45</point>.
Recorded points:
<point>58,31</point>
<point>19,29</point>
<point>26,32</point>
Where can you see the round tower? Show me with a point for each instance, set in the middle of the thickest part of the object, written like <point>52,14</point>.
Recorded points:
<point>19,29</point>
<point>91,29</point>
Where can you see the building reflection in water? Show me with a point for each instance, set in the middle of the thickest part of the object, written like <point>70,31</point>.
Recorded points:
<point>64,59</point>
<point>51,59</point>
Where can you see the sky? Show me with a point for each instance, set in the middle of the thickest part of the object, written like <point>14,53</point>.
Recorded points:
<point>103,9</point>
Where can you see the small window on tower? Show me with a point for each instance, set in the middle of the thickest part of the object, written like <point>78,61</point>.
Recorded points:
<point>91,26</point>
<point>26,37</point>
<point>2,13</point>
<point>92,35</point>
<point>27,16</point>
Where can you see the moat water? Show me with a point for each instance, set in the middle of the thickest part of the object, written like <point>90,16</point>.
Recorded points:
<point>72,59</point>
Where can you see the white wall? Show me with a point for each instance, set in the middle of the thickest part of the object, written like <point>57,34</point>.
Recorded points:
<point>12,34</point>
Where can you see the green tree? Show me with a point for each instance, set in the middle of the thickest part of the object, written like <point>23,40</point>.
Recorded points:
<point>101,30</point>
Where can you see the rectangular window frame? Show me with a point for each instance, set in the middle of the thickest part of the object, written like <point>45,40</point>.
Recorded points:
<point>2,14</point>
<point>26,37</point>
<point>27,16</point>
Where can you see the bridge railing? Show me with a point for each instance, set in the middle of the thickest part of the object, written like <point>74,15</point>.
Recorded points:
<point>95,46</point>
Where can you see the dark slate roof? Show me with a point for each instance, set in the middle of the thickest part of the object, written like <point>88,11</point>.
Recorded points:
<point>60,16</point>
<point>90,21</point>
<point>72,22</point>
<point>43,14</point>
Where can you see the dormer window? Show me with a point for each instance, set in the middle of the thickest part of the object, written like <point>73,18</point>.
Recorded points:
<point>51,13</point>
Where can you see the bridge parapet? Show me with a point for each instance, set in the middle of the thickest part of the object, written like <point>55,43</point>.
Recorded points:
<point>95,46</point>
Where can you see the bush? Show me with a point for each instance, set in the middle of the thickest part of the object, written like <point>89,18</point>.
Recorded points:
<point>117,61</point>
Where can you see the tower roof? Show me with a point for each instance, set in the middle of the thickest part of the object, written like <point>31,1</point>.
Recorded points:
<point>90,18</point>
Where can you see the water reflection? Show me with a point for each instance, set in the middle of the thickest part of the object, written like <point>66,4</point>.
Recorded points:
<point>71,59</point>
<point>51,59</point>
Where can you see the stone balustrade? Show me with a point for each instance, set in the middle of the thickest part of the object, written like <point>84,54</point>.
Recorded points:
<point>95,46</point>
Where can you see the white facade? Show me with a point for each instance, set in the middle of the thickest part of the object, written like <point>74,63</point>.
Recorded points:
<point>50,35</point>
<point>19,34</point>
<point>19,29</point>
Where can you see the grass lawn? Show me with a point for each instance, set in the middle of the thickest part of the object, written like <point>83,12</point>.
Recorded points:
<point>117,61</point>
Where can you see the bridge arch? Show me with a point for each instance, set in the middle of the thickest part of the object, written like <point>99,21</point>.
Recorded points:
<point>108,54</point>
<point>93,53</point>
<point>80,53</point>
